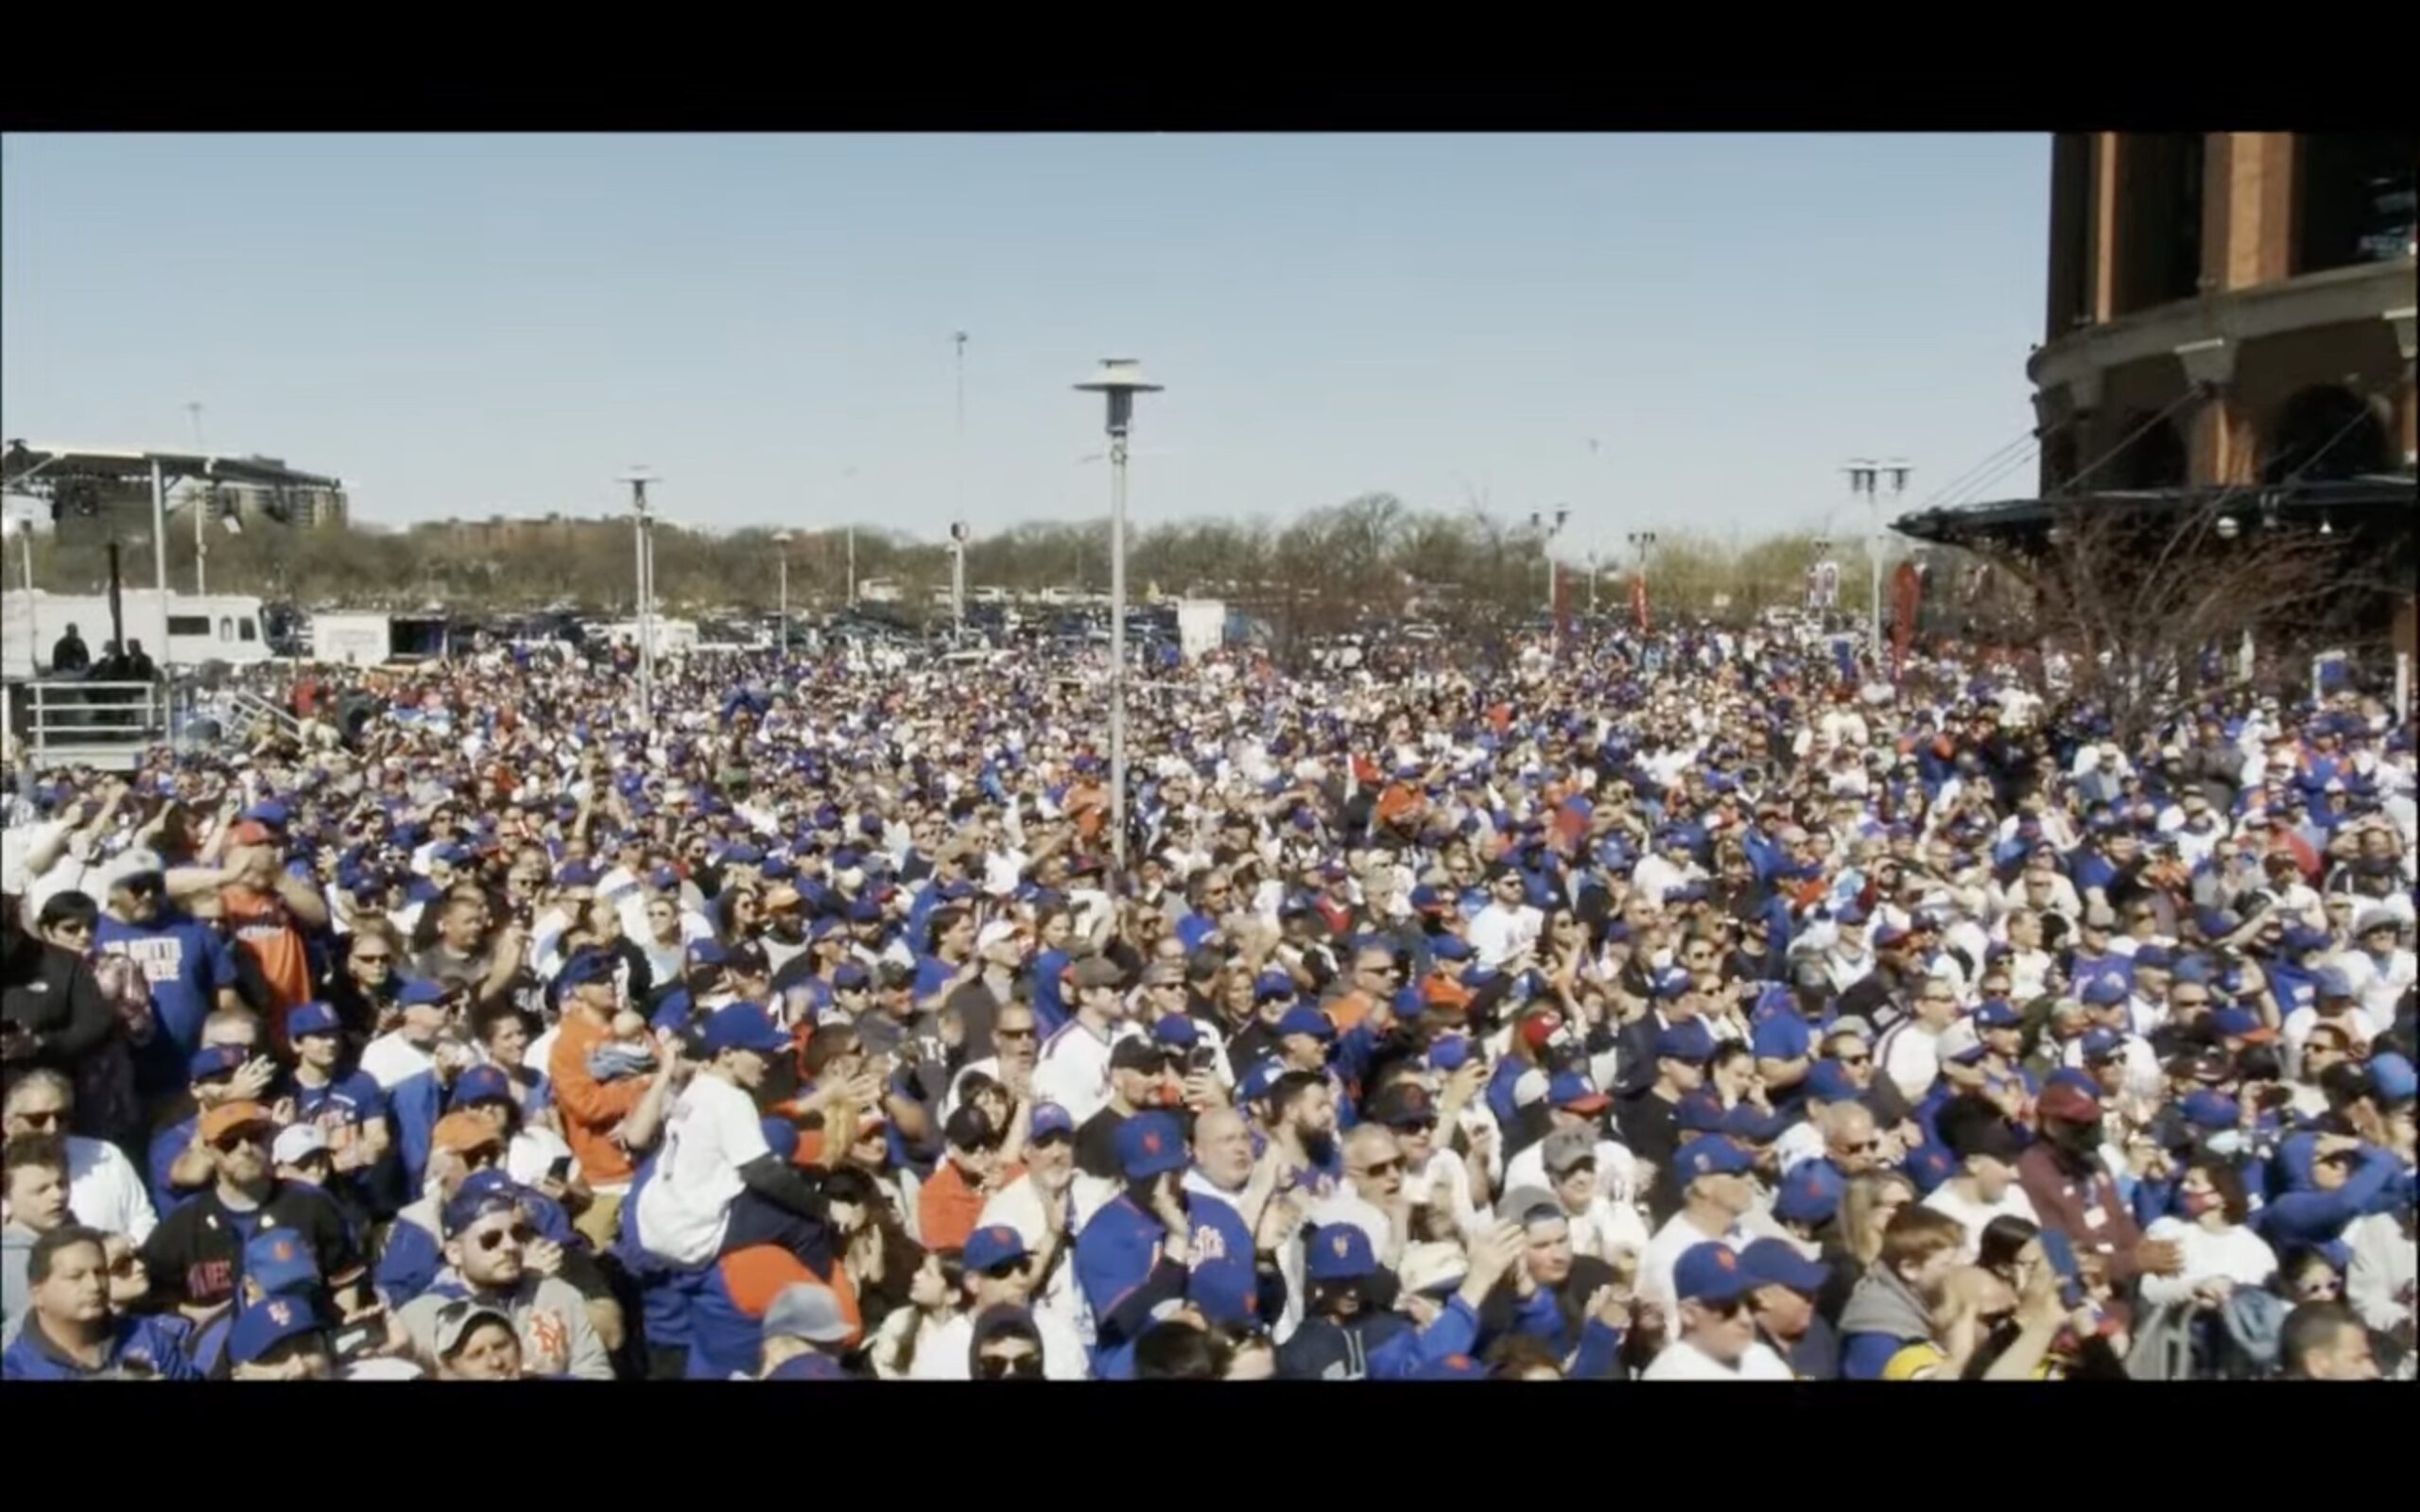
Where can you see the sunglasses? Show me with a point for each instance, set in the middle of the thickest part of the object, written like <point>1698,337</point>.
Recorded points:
<point>1009,1367</point>
<point>1016,1034</point>
<point>373,957</point>
<point>47,1120</point>
<point>1381,1168</point>
<point>236,1139</point>
<point>520,1234</point>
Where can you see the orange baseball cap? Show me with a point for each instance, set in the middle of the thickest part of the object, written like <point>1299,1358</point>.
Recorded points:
<point>228,1117</point>
<point>462,1133</point>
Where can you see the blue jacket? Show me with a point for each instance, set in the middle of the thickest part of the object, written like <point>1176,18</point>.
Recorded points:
<point>2314,1219</point>
<point>1126,1286</point>
<point>139,1347</point>
<point>1376,1346</point>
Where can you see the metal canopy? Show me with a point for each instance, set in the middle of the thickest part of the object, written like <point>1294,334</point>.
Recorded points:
<point>23,464</point>
<point>2350,498</point>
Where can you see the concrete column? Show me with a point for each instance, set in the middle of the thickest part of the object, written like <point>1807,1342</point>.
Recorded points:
<point>2219,447</point>
<point>2103,242</point>
<point>2247,209</point>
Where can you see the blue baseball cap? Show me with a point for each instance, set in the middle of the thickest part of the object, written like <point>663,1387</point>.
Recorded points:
<point>1272,987</point>
<point>1176,1030</point>
<point>1829,1081</point>
<point>312,1018</point>
<point>1929,1166</point>
<point>1888,935</point>
<point>1748,1121</point>
<point>477,1200</point>
<point>992,1247</point>
<point>705,953</point>
<point>1811,1194</point>
<point>2392,1077</point>
<point>1450,1052</point>
<point>1449,947</point>
<point>744,1027</point>
<point>1997,1013</point>
<point>1572,1091</point>
<point>849,976</point>
<point>480,1084</point>
<point>810,1366</point>
<point>2240,1024</point>
<point>1671,983</point>
<point>1150,1143</point>
<point>1688,1042</point>
<point>280,1263</point>
<point>260,1328</point>
<point>2332,982</point>
<point>1049,1119</point>
<point>1711,1154</point>
<point>2302,938</point>
<point>423,991</point>
<point>2211,1110</point>
<point>1306,1019</point>
<point>587,965</point>
<point>1256,1080</point>
<point>576,874</point>
<point>2156,957</point>
<point>1698,1112</point>
<point>215,1061</point>
<point>1777,1262</point>
<point>2103,991</point>
<point>1340,1251</point>
<point>1711,1272</point>
<point>2103,1044</point>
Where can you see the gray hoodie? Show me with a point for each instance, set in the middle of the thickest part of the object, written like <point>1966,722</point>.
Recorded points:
<point>1883,1304</point>
<point>16,1292</point>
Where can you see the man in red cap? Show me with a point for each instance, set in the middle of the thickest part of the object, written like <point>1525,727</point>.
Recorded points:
<point>2063,1173</point>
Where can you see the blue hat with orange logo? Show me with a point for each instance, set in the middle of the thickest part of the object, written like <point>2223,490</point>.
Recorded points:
<point>1149,1144</point>
<point>1811,1194</point>
<point>263,1327</point>
<point>1711,1272</point>
<point>1340,1251</point>
<point>280,1263</point>
<point>992,1247</point>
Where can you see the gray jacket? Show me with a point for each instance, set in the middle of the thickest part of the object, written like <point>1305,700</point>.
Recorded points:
<point>1883,1304</point>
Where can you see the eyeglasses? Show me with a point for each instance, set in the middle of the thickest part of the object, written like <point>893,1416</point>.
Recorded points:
<point>236,1139</point>
<point>520,1234</point>
<point>126,1264</point>
<point>373,957</point>
<point>1007,1368</point>
<point>1004,1032</point>
<point>1857,1146</point>
<point>1381,1168</point>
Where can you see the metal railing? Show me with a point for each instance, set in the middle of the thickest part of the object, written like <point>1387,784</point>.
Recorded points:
<point>97,724</point>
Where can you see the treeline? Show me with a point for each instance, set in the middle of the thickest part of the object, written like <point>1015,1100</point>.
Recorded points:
<point>1319,571</point>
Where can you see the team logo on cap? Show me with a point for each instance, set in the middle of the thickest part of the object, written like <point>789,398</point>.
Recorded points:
<point>1725,1258</point>
<point>1151,1141</point>
<point>1339,1244</point>
<point>1002,1234</point>
<point>282,1249</point>
<point>281,1313</point>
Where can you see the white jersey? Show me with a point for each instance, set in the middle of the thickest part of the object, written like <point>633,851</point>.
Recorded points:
<point>1074,1068</point>
<point>713,1132</point>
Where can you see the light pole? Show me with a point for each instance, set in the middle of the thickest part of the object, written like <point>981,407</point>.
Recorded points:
<point>957,531</point>
<point>1865,477</point>
<point>1119,379</point>
<point>641,532</point>
<point>1641,543</point>
<point>1592,584</point>
<point>782,540</point>
<point>1547,533</point>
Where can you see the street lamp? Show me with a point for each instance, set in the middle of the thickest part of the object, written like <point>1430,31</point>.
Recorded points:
<point>959,532</point>
<point>782,540</point>
<point>1865,477</point>
<point>643,534</point>
<point>1119,379</point>
<point>1538,523</point>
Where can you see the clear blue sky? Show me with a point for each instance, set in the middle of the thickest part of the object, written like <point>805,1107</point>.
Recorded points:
<point>468,325</point>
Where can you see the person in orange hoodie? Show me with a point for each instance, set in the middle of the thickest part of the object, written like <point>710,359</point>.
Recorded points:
<point>603,1121</point>
<point>949,1204</point>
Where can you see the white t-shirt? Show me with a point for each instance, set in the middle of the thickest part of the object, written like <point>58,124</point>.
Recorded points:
<point>1909,1054</point>
<point>391,1061</point>
<point>534,1151</point>
<point>714,1129</point>
<point>2234,1253</point>
<point>105,1192</point>
<point>943,1354</point>
<point>1684,1361</point>
<point>1976,1216</point>
<point>1074,1068</point>
<point>1018,1206</point>
<point>1497,933</point>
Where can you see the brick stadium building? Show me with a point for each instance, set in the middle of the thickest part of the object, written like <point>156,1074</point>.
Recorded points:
<point>2230,318</point>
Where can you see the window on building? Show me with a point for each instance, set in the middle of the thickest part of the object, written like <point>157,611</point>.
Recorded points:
<point>2156,458</point>
<point>189,625</point>
<point>2159,219</point>
<point>246,630</point>
<point>226,627</point>
<point>2353,198</point>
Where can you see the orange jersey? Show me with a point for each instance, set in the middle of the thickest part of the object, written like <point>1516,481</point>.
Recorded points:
<point>261,922</point>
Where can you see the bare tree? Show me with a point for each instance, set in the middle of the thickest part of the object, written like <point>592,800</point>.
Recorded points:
<point>2142,606</point>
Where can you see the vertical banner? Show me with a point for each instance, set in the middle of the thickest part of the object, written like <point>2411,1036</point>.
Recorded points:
<point>1907,595</point>
<point>1638,604</point>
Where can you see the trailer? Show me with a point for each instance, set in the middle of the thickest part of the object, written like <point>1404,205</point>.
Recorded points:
<point>370,640</point>
<point>194,630</point>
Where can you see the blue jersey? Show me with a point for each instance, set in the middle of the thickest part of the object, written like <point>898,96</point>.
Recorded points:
<point>139,1347</point>
<point>165,1147</point>
<point>185,961</point>
<point>1126,1277</point>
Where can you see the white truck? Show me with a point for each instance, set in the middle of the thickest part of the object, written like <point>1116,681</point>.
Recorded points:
<point>1201,626</point>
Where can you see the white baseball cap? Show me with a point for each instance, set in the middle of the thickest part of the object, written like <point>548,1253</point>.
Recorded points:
<point>297,1143</point>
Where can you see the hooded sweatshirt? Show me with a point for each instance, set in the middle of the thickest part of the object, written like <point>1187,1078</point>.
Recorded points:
<point>1883,1316</point>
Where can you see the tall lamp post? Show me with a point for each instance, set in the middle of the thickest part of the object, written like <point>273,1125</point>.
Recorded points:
<point>1865,477</point>
<point>1641,543</point>
<point>782,540</point>
<point>1119,379</point>
<point>1546,534</point>
<point>642,533</point>
<point>957,534</point>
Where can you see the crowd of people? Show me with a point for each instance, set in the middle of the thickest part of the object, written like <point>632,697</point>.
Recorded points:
<point>1685,1006</point>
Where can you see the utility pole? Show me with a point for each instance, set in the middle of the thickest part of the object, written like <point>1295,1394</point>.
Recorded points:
<point>1546,535</point>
